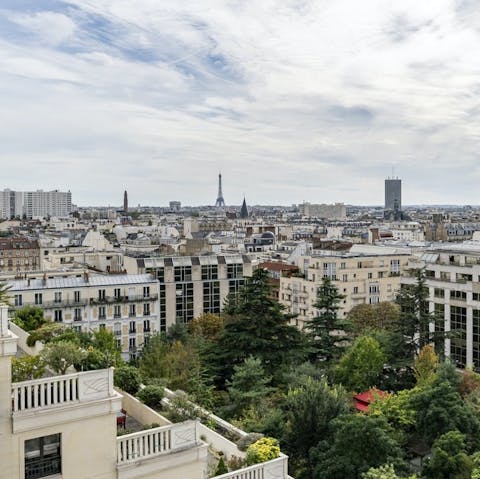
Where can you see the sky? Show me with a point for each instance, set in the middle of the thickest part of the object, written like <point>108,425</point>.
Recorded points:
<point>292,100</point>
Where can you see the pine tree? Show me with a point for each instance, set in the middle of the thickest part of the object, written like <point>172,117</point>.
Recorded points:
<point>327,331</point>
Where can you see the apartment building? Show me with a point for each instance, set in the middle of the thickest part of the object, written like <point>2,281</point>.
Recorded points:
<point>18,255</point>
<point>66,426</point>
<point>453,279</point>
<point>127,305</point>
<point>33,204</point>
<point>192,285</point>
<point>334,211</point>
<point>362,278</point>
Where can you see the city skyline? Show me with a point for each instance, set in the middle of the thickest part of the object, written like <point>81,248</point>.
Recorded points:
<point>307,101</point>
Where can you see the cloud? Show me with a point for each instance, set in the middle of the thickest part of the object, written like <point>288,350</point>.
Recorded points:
<point>304,100</point>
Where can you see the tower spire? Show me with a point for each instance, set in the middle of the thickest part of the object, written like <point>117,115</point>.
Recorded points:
<point>220,203</point>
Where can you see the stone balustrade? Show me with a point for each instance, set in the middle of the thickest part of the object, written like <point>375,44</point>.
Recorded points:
<point>155,442</point>
<point>62,390</point>
<point>274,469</point>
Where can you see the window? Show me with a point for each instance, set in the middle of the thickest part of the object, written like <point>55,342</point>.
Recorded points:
<point>476,338</point>
<point>182,273</point>
<point>18,300</point>
<point>161,275</point>
<point>458,295</point>
<point>101,312</point>
<point>458,343</point>
<point>146,326</point>
<point>132,344</point>
<point>235,270</point>
<point>146,309</point>
<point>355,290</point>
<point>146,291</point>
<point>76,296</point>
<point>117,329</point>
<point>438,293</point>
<point>343,265</point>
<point>211,297</point>
<point>132,311</point>
<point>370,275</point>
<point>133,327</point>
<point>38,298</point>
<point>476,296</point>
<point>234,285</point>
<point>330,270</point>
<point>116,311</point>
<point>101,295</point>
<point>209,272</point>
<point>43,456</point>
<point>116,293</point>
<point>77,314</point>
<point>380,274</point>
<point>345,278</point>
<point>184,302</point>
<point>58,315</point>
<point>58,297</point>
<point>163,308</point>
<point>395,267</point>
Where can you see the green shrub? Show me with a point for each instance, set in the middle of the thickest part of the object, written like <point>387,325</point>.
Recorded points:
<point>29,318</point>
<point>262,450</point>
<point>26,368</point>
<point>151,395</point>
<point>127,378</point>
<point>221,468</point>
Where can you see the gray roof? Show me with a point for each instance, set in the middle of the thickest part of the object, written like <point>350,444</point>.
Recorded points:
<point>79,282</point>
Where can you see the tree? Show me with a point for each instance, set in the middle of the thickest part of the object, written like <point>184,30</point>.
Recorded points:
<point>363,318</point>
<point>61,355</point>
<point>29,318</point>
<point>127,378</point>
<point>151,395</point>
<point>248,385</point>
<point>310,410</point>
<point>387,315</point>
<point>383,472</point>
<point>426,364</point>
<point>361,365</point>
<point>4,294</point>
<point>26,368</point>
<point>449,460</point>
<point>359,443</point>
<point>221,468</point>
<point>208,326</point>
<point>152,360</point>
<point>327,331</point>
<point>413,326</point>
<point>255,325</point>
<point>439,409</point>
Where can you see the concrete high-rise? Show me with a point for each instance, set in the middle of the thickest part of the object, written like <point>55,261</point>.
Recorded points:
<point>125,202</point>
<point>393,194</point>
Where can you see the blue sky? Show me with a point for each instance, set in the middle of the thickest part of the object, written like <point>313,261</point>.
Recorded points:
<point>293,100</point>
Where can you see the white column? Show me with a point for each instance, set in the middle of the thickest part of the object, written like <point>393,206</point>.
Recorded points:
<point>469,337</point>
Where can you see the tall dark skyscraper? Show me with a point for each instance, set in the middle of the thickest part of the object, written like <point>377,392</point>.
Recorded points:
<point>393,194</point>
<point>125,202</point>
<point>220,203</point>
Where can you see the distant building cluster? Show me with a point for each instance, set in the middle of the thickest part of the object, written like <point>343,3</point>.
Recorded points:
<point>34,204</point>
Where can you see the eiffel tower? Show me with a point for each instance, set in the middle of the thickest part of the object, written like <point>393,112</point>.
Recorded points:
<point>220,203</point>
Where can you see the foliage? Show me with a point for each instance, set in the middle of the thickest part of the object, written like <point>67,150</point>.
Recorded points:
<point>413,326</point>
<point>439,409</point>
<point>61,355</point>
<point>26,368</point>
<point>221,468</point>
<point>326,331</point>
<point>249,384</point>
<point>180,408</point>
<point>265,449</point>
<point>151,395</point>
<point>367,317</point>
<point>127,378</point>
<point>4,294</point>
<point>45,333</point>
<point>309,411</point>
<point>29,318</point>
<point>208,326</point>
<point>426,364</point>
<point>235,463</point>
<point>245,441</point>
<point>359,443</point>
<point>383,472</point>
<point>469,383</point>
<point>449,460</point>
<point>255,326</point>
<point>360,366</point>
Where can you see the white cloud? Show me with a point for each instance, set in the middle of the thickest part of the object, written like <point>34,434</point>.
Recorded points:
<point>300,100</point>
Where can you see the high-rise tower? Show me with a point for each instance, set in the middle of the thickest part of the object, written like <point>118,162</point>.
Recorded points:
<point>125,202</point>
<point>393,194</point>
<point>220,203</point>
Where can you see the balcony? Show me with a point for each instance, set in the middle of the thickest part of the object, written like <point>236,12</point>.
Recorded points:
<point>56,304</point>
<point>124,299</point>
<point>156,442</point>
<point>276,468</point>
<point>48,401</point>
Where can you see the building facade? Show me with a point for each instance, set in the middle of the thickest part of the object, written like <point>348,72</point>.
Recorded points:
<point>192,285</point>
<point>126,305</point>
<point>35,204</point>
<point>363,279</point>
<point>335,211</point>
<point>19,255</point>
<point>393,194</point>
<point>453,281</point>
